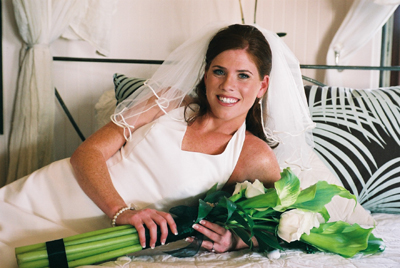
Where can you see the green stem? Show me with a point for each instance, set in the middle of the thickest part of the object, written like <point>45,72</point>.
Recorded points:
<point>105,256</point>
<point>42,254</point>
<point>89,235</point>
<point>79,255</point>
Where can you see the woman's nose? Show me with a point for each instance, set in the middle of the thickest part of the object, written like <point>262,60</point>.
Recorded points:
<point>228,83</point>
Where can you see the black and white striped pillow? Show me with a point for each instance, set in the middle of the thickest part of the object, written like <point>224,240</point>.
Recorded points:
<point>125,86</point>
<point>358,137</point>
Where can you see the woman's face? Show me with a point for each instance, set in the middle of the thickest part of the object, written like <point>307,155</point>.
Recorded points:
<point>232,85</point>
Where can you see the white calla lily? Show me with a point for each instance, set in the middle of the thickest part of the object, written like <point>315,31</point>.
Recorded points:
<point>294,223</point>
<point>252,189</point>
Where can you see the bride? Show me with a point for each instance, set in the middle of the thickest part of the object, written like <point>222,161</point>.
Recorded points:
<point>210,114</point>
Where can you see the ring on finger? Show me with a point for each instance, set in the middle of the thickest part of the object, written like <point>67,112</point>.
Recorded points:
<point>212,249</point>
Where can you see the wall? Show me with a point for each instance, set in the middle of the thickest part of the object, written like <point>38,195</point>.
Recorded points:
<point>151,29</point>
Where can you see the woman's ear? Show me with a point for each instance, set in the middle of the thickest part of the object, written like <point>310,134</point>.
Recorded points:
<point>264,87</point>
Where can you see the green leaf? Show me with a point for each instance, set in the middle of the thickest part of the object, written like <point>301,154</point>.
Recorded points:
<point>236,197</point>
<point>374,245</point>
<point>339,237</point>
<point>325,214</point>
<point>266,241</point>
<point>315,197</point>
<point>269,199</point>
<point>287,189</point>
<point>269,213</point>
<point>271,228</point>
<point>215,197</point>
<point>204,210</point>
<point>230,207</point>
<point>249,220</point>
<point>212,189</point>
<point>245,236</point>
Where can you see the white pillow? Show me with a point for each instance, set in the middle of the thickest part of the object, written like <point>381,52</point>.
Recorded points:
<point>339,208</point>
<point>104,108</point>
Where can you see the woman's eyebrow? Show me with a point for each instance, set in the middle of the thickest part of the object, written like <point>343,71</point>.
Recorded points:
<point>218,66</point>
<point>244,71</point>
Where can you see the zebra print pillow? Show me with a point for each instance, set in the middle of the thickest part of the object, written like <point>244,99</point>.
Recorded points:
<point>125,86</point>
<point>358,138</point>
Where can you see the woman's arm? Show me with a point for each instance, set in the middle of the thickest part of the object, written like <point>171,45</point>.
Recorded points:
<point>91,172</point>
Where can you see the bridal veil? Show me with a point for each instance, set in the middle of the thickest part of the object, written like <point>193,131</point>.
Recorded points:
<point>285,113</point>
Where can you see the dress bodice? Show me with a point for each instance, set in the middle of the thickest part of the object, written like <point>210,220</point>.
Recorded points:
<point>160,174</point>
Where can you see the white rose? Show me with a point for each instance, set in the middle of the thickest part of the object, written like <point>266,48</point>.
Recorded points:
<point>240,186</point>
<point>295,222</point>
<point>252,189</point>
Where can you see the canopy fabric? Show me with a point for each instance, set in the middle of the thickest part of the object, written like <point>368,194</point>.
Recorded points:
<point>364,19</point>
<point>93,24</point>
<point>40,22</point>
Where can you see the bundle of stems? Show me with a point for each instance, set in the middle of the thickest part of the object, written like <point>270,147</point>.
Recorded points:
<point>84,249</point>
<point>103,245</point>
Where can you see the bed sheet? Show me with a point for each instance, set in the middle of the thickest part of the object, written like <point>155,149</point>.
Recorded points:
<point>387,228</point>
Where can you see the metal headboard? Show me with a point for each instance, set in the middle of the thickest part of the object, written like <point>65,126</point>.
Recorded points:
<point>158,62</point>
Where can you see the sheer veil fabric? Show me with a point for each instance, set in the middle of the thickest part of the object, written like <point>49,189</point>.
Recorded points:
<point>285,113</point>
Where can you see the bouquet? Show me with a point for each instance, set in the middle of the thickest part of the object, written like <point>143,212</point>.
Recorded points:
<point>279,218</point>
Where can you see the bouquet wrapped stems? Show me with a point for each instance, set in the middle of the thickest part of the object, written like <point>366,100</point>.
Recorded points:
<point>98,246</point>
<point>84,249</point>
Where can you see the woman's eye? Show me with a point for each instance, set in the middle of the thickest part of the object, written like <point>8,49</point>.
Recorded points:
<point>244,76</point>
<point>218,72</point>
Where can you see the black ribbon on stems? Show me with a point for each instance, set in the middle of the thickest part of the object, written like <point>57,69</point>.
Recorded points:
<point>56,254</point>
<point>185,218</point>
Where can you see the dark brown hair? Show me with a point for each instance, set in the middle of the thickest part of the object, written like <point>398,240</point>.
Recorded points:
<point>238,36</point>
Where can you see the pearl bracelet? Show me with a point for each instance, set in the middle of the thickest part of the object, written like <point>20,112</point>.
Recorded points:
<point>122,210</point>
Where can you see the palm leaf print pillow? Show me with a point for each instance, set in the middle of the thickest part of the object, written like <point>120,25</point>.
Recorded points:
<point>358,137</point>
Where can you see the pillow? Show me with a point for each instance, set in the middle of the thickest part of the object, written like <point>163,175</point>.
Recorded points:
<point>358,137</point>
<point>124,86</point>
<point>340,209</point>
<point>104,108</point>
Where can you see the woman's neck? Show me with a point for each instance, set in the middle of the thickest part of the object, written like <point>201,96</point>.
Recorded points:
<point>209,123</point>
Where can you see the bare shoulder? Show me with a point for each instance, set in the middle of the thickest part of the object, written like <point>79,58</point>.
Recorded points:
<point>257,161</point>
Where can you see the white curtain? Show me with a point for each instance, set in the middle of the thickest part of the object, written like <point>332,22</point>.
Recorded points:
<point>93,24</point>
<point>364,19</point>
<point>39,22</point>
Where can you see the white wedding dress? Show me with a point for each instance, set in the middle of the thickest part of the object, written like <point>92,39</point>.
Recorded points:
<point>151,170</point>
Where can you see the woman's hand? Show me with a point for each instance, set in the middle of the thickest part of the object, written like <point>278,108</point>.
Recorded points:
<point>152,219</point>
<point>221,239</point>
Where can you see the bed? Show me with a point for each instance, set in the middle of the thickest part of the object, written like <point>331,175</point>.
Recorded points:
<point>363,122</point>
<point>357,137</point>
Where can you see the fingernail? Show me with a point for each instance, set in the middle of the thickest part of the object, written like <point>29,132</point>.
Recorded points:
<point>188,239</point>
<point>176,233</point>
<point>163,242</point>
<point>152,247</point>
<point>202,222</point>
<point>195,226</point>
<point>144,246</point>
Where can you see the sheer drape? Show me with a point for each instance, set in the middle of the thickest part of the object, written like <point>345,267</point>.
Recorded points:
<point>40,22</point>
<point>362,22</point>
<point>93,24</point>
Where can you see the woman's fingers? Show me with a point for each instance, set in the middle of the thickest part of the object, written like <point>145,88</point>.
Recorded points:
<point>221,239</point>
<point>209,245</point>
<point>152,220</point>
<point>164,221</point>
<point>211,230</point>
